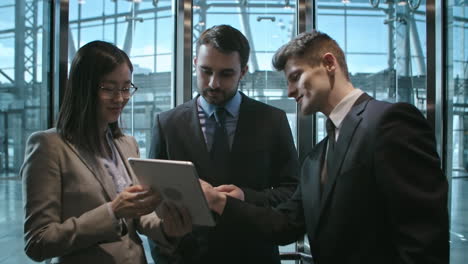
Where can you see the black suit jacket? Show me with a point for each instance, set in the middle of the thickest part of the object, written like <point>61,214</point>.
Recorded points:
<point>263,163</point>
<point>385,200</point>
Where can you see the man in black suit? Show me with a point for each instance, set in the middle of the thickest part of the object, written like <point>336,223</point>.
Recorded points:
<point>372,191</point>
<point>248,149</point>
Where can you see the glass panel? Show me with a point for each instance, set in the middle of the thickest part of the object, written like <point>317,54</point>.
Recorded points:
<point>24,65</point>
<point>388,60</point>
<point>457,126</point>
<point>267,25</point>
<point>145,31</point>
<point>24,107</point>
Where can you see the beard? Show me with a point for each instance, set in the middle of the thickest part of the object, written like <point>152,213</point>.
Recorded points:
<point>218,96</point>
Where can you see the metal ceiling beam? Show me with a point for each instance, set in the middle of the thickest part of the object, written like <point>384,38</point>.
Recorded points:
<point>244,21</point>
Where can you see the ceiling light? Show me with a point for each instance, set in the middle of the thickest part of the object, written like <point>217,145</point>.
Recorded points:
<point>402,3</point>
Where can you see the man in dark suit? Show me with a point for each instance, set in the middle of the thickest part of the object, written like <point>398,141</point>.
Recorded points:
<point>372,191</point>
<point>248,149</point>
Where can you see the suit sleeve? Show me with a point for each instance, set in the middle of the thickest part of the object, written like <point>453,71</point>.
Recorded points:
<point>285,167</point>
<point>281,225</point>
<point>158,142</point>
<point>46,234</point>
<point>408,172</point>
<point>150,225</point>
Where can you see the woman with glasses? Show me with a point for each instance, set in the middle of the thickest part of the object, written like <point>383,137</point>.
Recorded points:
<point>83,204</point>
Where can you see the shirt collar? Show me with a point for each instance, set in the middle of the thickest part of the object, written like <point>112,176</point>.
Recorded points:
<point>340,111</point>
<point>232,106</point>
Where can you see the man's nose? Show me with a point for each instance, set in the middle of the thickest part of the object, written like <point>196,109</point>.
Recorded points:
<point>292,91</point>
<point>214,81</point>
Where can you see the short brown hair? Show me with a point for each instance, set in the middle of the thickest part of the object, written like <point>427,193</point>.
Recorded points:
<point>312,45</point>
<point>226,39</point>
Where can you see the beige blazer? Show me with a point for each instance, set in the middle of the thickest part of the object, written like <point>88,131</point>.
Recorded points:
<point>65,194</point>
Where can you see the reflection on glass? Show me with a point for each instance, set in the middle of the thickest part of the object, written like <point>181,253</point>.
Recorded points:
<point>387,59</point>
<point>457,126</point>
<point>143,29</point>
<point>24,105</point>
<point>23,78</point>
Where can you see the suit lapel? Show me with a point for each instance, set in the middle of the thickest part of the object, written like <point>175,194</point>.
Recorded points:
<point>310,185</point>
<point>194,125</point>
<point>245,123</point>
<point>349,126</point>
<point>197,143</point>
<point>94,167</point>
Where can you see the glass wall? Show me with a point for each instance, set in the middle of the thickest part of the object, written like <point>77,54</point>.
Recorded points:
<point>267,25</point>
<point>384,42</point>
<point>457,125</point>
<point>144,30</point>
<point>24,77</point>
<point>385,47</point>
<point>25,74</point>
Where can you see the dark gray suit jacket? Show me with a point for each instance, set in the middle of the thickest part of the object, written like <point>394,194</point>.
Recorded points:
<point>263,163</point>
<point>385,200</point>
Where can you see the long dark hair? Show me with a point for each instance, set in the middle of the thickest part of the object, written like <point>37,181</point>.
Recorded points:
<point>77,119</point>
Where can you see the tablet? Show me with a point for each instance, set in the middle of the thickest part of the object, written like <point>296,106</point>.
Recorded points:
<point>177,181</point>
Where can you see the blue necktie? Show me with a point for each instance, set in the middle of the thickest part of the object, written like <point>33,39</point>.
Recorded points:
<point>220,147</point>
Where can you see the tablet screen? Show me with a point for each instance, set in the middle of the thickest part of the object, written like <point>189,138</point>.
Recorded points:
<point>177,181</point>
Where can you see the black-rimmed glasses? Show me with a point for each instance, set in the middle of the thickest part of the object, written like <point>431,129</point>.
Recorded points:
<point>111,92</point>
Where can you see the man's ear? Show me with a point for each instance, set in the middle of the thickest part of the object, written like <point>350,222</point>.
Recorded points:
<point>244,71</point>
<point>195,60</point>
<point>329,62</point>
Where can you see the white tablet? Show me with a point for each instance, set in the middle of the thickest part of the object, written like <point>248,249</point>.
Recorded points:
<point>177,181</point>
